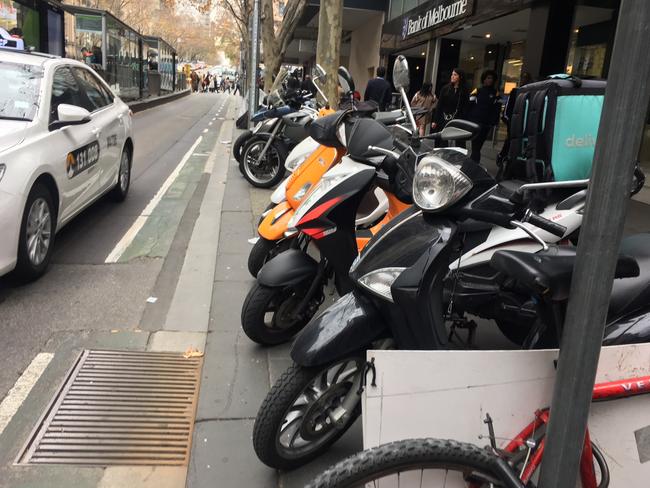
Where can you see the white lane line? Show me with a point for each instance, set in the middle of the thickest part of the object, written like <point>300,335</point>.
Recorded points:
<point>16,396</point>
<point>205,131</point>
<point>127,238</point>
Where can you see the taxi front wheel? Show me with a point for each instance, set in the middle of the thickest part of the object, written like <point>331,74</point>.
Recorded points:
<point>37,230</point>
<point>121,189</point>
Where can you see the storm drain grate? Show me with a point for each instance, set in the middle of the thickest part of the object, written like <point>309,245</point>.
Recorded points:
<point>119,407</point>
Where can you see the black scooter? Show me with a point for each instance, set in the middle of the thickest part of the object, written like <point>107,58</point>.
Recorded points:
<point>317,398</point>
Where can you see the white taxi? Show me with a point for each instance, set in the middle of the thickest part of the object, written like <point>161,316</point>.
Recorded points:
<point>65,140</point>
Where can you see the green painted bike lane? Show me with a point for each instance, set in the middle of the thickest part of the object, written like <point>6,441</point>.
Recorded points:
<point>155,237</point>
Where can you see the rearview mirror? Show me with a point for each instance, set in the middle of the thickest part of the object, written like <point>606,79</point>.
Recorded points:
<point>70,115</point>
<point>459,130</point>
<point>319,72</point>
<point>345,80</point>
<point>401,77</point>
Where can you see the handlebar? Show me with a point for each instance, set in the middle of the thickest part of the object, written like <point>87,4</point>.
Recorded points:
<point>544,224</point>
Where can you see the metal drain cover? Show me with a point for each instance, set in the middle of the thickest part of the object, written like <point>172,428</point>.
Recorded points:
<point>119,407</point>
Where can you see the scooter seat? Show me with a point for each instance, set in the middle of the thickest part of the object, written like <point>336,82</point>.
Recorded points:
<point>549,273</point>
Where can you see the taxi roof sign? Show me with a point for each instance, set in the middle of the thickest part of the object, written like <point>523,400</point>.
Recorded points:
<point>7,41</point>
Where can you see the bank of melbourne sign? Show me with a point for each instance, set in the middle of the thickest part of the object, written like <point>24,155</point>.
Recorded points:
<point>443,12</point>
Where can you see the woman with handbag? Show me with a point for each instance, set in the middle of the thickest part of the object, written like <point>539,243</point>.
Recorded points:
<point>427,100</point>
<point>452,102</point>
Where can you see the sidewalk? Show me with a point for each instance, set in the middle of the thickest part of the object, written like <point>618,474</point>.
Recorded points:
<point>237,374</point>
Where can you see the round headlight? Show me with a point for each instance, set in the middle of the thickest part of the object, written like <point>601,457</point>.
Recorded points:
<point>438,184</point>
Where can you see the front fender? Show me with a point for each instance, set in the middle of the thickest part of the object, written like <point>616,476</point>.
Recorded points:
<point>288,268</point>
<point>276,222</point>
<point>351,324</point>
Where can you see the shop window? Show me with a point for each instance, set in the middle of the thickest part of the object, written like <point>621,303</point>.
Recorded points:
<point>512,65</point>
<point>592,38</point>
<point>396,8</point>
<point>22,20</point>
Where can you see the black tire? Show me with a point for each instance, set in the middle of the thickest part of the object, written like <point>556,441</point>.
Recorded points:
<point>270,418</point>
<point>28,269</point>
<point>278,153</point>
<point>121,189</point>
<point>239,144</point>
<point>477,465</point>
<point>262,300</point>
<point>264,250</point>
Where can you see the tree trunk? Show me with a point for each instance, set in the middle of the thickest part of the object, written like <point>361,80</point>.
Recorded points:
<point>329,45</point>
<point>271,55</point>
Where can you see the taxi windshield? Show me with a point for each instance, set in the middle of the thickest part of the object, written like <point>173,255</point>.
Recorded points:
<point>19,90</point>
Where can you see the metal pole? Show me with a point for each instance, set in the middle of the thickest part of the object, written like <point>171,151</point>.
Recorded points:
<point>252,69</point>
<point>619,138</point>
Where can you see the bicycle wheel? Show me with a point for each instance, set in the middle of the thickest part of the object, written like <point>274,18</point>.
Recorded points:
<point>415,463</point>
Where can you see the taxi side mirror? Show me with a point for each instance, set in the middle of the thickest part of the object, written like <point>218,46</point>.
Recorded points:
<point>69,115</point>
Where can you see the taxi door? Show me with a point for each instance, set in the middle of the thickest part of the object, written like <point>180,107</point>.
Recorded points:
<point>73,150</point>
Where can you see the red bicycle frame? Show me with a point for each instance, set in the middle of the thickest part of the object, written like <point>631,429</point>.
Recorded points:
<point>602,391</point>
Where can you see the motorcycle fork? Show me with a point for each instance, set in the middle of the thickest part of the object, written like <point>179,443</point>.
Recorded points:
<point>313,288</point>
<point>270,141</point>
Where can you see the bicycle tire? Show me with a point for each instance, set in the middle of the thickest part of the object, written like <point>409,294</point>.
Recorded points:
<point>401,456</point>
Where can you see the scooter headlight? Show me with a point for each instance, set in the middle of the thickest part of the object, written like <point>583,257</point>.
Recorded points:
<point>380,281</point>
<point>321,188</point>
<point>293,164</point>
<point>438,184</point>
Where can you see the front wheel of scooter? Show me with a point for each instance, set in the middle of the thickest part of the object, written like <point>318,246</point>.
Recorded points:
<point>269,317</point>
<point>264,250</point>
<point>294,424</point>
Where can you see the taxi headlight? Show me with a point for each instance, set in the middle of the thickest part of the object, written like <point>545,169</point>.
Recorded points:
<point>438,184</point>
<point>380,281</point>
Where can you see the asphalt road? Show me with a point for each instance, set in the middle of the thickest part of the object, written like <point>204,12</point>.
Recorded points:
<point>80,293</point>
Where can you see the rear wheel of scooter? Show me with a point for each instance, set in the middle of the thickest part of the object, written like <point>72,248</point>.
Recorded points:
<point>268,314</point>
<point>264,250</point>
<point>293,425</point>
<point>265,172</point>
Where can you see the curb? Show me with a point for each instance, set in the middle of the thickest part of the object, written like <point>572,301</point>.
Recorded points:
<point>140,105</point>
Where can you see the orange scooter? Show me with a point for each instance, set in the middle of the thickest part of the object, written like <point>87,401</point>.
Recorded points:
<point>376,207</point>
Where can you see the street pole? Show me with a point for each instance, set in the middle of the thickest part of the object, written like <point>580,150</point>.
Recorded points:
<point>617,147</point>
<point>252,69</point>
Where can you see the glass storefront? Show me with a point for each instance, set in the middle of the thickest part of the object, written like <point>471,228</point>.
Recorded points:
<point>14,15</point>
<point>592,35</point>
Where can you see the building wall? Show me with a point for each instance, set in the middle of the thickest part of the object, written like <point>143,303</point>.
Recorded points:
<point>364,50</point>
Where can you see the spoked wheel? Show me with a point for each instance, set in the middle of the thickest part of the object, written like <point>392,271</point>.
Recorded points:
<point>415,462</point>
<point>269,315</point>
<point>266,171</point>
<point>300,417</point>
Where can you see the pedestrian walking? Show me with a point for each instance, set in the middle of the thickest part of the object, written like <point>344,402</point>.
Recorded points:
<point>379,90</point>
<point>525,78</point>
<point>227,85</point>
<point>215,84</point>
<point>424,99</point>
<point>485,107</point>
<point>236,86</point>
<point>452,102</point>
<point>194,77</point>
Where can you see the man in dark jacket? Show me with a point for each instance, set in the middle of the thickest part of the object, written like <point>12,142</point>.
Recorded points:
<point>379,90</point>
